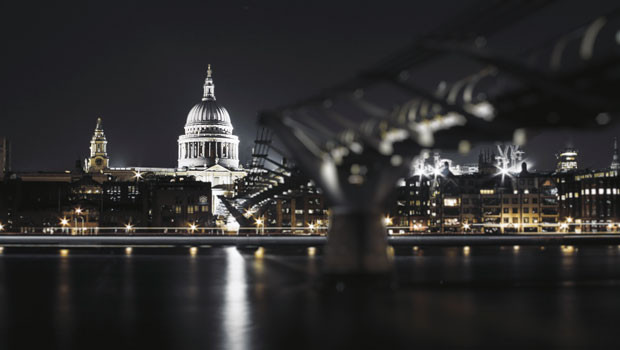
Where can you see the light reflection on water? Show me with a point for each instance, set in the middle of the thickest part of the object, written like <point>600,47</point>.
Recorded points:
<point>64,309</point>
<point>236,314</point>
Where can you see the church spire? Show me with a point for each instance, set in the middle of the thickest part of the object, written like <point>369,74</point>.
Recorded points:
<point>98,159</point>
<point>209,87</point>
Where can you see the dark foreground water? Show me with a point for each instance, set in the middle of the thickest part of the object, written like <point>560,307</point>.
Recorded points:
<point>229,298</point>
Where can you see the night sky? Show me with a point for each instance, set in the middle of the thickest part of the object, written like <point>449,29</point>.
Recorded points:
<point>141,66</point>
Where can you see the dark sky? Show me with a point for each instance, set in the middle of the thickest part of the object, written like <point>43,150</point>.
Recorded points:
<point>141,66</point>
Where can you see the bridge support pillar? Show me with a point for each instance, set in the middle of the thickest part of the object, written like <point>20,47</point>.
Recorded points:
<point>357,244</point>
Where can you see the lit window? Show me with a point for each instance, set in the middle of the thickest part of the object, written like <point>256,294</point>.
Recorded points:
<point>450,202</point>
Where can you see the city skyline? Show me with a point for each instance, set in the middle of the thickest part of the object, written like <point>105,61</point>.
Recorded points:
<point>143,93</point>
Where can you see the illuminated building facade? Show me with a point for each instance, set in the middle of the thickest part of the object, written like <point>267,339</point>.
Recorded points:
<point>208,138</point>
<point>29,204</point>
<point>567,160</point>
<point>98,159</point>
<point>491,203</point>
<point>590,198</point>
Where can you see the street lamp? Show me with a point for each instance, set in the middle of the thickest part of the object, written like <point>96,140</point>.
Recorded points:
<point>259,225</point>
<point>466,227</point>
<point>387,221</point>
<point>193,228</point>
<point>128,227</point>
<point>137,175</point>
<point>1,227</point>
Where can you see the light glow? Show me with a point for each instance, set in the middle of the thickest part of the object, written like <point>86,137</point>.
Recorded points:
<point>311,251</point>
<point>64,252</point>
<point>387,221</point>
<point>259,253</point>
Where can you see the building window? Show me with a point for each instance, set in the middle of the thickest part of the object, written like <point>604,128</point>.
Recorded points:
<point>526,210</point>
<point>515,210</point>
<point>506,210</point>
<point>177,209</point>
<point>450,202</point>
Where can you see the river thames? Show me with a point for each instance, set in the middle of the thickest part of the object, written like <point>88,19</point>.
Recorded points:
<point>274,297</point>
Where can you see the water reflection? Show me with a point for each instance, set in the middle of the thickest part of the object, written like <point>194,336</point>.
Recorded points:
<point>64,308</point>
<point>236,313</point>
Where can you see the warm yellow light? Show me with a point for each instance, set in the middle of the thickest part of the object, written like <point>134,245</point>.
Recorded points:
<point>259,222</point>
<point>64,252</point>
<point>78,211</point>
<point>128,227</point>
<point>516,248</point>
<point>319,222</point>
<point>563,226</point>
<point>568,249</point>
<point>569,219</point>
<point>64,222</point>
<point>415,248</point>
<point>128,250</point>
<point>259,253</point>
<point>193,227</point>
<point>390,252</point>
<point>466,226</point>
<point>1,250</point>
<point>1,227</point>
<point>193,251</point>
<point>311,251</point>
<point>387,221</point>
<point>311,226</point>
<point>138,175</point>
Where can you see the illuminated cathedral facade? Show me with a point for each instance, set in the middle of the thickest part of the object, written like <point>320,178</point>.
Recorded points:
<point>207,150</point>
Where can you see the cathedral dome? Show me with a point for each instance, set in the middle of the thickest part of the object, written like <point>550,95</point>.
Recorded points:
<point>208,138</point>
<point>207,116</point>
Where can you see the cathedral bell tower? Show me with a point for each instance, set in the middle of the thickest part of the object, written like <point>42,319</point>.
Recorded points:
<point>98,159</point>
